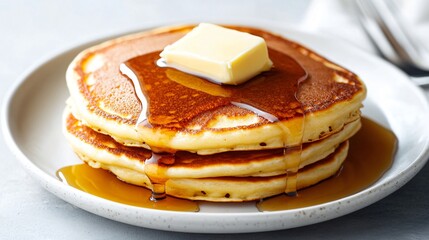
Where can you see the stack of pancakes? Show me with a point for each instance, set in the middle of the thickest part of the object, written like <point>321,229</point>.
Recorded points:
<point>225,143</point>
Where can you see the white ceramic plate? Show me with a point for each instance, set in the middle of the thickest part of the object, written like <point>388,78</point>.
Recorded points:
<point>31,120</point>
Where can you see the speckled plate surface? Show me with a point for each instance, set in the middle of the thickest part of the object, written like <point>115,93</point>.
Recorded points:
<point>31,122</point>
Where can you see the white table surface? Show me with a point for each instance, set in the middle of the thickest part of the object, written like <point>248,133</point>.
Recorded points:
<point>32,30</point>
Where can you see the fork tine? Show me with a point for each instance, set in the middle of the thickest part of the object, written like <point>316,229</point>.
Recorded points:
<point>405,46</point>
<point>368,21</point>
<point>375,27</point>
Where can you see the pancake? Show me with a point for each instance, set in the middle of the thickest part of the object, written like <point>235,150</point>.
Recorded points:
<point>186,113</point>
<point>214,177</point>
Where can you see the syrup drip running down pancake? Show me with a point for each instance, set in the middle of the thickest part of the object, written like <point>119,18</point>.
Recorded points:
<point>304,99</point>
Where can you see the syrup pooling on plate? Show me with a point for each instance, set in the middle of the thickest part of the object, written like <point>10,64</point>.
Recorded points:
<point>106,185</point>
<point>171,98</point>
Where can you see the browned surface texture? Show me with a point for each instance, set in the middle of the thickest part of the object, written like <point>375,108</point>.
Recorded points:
<point>176,98</point>
<point>318,92</point>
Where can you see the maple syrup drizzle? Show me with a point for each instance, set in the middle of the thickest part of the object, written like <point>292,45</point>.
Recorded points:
<point>292,173</point>
<point>166,97</point>
<point>294,156</point>
<point>371,154</point>
<point>156,174</point>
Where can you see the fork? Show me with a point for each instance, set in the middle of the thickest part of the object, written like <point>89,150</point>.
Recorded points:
<point>393,42</point>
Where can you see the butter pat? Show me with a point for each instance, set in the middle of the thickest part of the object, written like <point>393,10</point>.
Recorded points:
<point>219,54</point>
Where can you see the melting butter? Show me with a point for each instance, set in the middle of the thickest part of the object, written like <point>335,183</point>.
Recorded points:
<point>219,54</point>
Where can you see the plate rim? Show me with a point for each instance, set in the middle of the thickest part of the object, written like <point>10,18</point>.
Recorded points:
<point>44,178</point>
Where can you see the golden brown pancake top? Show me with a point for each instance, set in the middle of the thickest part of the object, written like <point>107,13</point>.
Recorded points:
<point>175,98</point>
<point>318,91</point>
